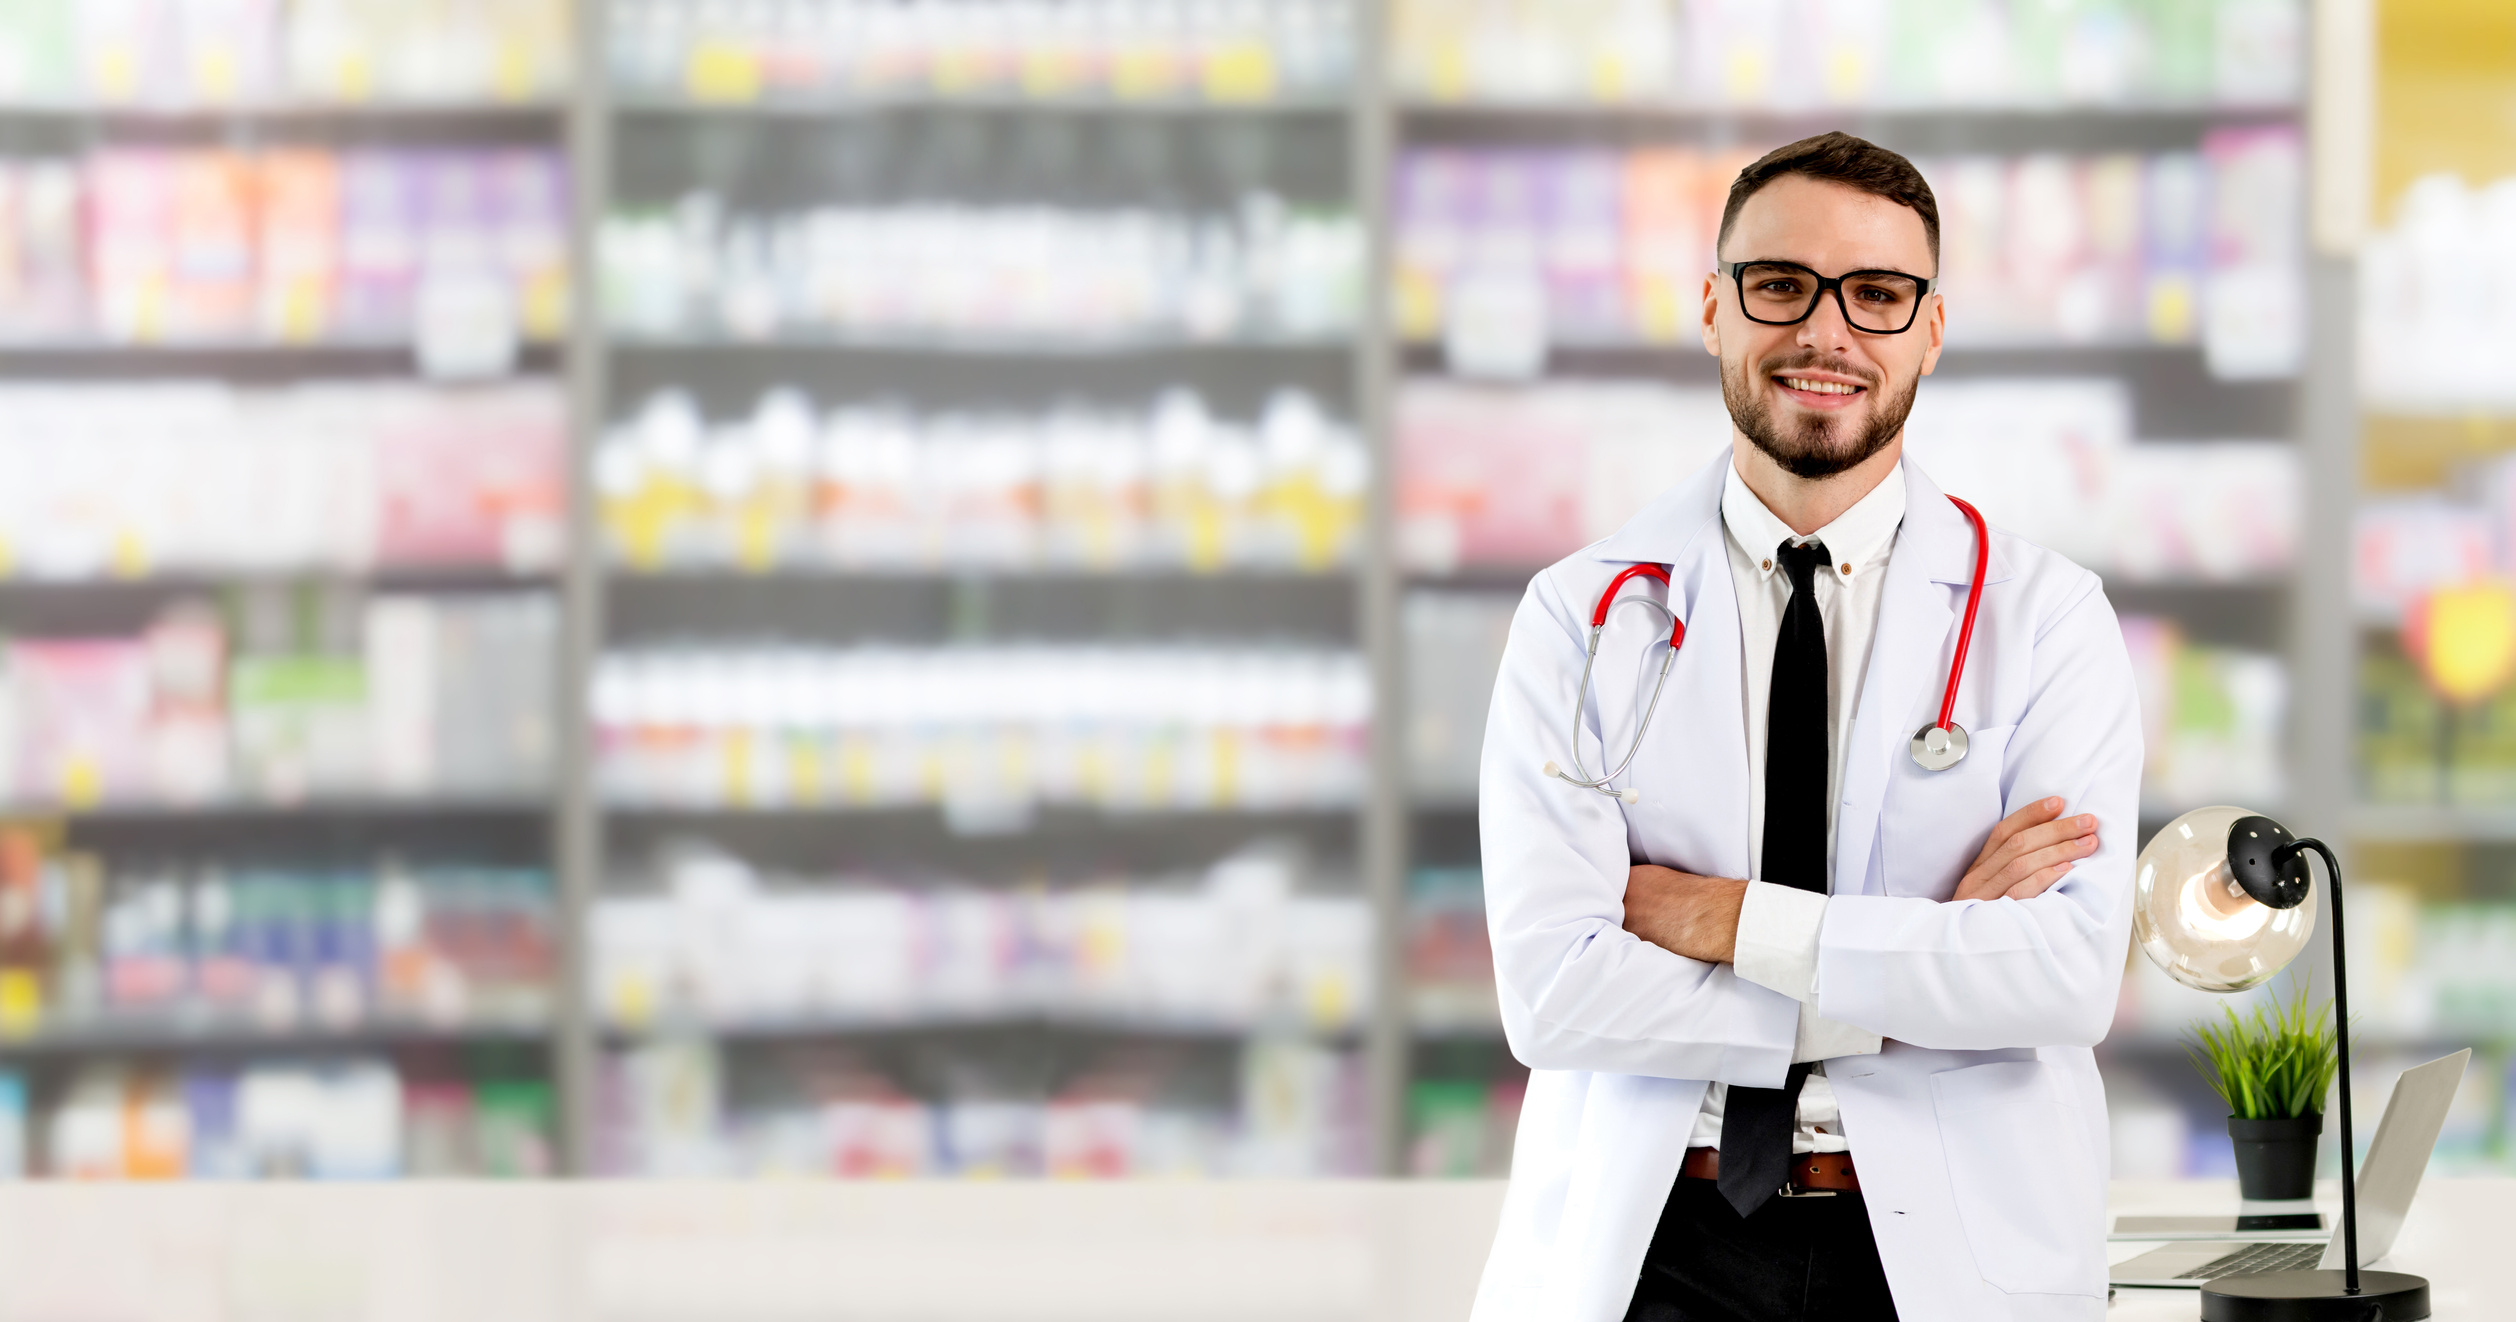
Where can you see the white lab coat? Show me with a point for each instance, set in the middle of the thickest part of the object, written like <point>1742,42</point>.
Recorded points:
<point>1980,1130</point>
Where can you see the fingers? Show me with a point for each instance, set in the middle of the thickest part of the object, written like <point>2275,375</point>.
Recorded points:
<point>2045,836</point>
<point>2039,883</point>
<point>2030,815</point>
<point>2062,854</point>
<point>2029,851</point>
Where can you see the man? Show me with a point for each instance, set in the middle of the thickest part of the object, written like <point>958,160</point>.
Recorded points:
<point>1809,1023</point>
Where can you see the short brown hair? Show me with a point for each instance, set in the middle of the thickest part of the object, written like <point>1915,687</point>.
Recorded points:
<point>1843,159</point>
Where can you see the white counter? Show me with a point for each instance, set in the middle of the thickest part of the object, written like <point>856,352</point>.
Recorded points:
<point>1013,1252</point>
<point>2458,1235</point>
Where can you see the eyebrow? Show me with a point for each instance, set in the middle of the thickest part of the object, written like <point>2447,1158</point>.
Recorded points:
<point>1794,261</point>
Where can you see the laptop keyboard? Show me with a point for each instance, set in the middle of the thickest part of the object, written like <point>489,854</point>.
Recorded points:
<point>2257,1258</point>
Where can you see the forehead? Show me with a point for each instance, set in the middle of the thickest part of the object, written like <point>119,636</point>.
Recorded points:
<point>1829,226</point>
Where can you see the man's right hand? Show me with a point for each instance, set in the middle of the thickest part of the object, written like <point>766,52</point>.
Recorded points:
<point>2029,850</point>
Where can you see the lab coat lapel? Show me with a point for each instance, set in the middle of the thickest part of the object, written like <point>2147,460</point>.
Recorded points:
<point>1916,622</point>
<point>1693,767</point>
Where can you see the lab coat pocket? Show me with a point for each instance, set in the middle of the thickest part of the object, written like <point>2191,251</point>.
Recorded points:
<point>1935,821</point>
<point>2026,1185</point>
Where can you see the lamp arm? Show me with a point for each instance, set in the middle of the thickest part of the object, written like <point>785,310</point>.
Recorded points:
<point>2341,1043</point>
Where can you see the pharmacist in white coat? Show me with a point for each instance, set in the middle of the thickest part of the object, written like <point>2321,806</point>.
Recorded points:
<point>1809,1023</point>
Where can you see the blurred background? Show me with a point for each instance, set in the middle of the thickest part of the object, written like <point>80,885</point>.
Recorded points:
<point>879,588</point>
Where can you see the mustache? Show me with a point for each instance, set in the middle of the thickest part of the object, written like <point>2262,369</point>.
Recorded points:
<point>1811,360</point>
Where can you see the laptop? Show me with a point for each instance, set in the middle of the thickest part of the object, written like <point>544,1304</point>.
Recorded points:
<point>2397,1158</point>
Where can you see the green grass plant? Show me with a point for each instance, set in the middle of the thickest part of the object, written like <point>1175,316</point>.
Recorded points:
<point>2275,1063</point>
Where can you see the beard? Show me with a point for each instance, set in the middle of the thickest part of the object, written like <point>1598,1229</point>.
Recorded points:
<point>1817,445</point>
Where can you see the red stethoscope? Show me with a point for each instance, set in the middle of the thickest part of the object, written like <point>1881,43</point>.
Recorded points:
<point>1936,747</point>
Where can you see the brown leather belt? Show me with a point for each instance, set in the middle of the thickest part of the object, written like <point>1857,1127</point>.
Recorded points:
<point>1829,1172</point>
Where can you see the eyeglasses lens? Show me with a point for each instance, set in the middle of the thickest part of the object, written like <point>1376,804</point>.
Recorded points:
<point>1880,301</point>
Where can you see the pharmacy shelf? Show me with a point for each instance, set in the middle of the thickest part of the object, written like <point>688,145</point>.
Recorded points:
<point>272,812</point>
<point>386,578</point>
<point>985,819</point>
<point>2202,112</point>
<point>291,109</point>
<point>1076,1024</point>
<point>846,105</point>
<point>1057,842</point>
<point>1989,354</point>
<point>244,361</point>
<point>2371,823</point>
<point>1917,130</point>
<point>243,1033</point>
<point>1039,576</point>
<point>341,832</point>
<point>1138,606</point>
<point>1455,1029</point>
<point>1079,346</point>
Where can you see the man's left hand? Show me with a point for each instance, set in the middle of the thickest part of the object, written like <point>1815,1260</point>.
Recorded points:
<point>1678,911</point>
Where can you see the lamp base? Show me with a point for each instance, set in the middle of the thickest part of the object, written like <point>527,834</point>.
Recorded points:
<point>2315,1296</point>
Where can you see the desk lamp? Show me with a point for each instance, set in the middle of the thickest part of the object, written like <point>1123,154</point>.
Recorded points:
<point>2221,902</point>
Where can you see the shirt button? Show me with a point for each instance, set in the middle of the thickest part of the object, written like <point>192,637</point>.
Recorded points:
<point>1847,566</point>
<point>1769,564</point>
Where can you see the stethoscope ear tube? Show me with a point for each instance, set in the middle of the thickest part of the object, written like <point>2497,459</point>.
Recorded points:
<point>1590,659</point>
<point>1936,747</point>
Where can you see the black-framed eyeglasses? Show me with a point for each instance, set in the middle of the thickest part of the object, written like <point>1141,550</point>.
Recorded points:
<point>1785,293</point>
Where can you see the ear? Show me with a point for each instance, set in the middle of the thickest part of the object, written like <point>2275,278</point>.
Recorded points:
<point>1935,323</point>
<point>1712,313</point>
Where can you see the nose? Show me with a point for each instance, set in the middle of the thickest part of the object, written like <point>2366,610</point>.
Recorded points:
<point>1826,326</point>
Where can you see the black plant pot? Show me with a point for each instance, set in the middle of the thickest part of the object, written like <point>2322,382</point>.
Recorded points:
<point>2275,1159</point>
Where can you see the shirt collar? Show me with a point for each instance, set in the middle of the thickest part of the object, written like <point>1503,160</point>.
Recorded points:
<point>1857,537</point>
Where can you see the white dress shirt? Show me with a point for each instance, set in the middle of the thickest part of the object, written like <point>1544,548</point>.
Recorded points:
<point>1778,925</point>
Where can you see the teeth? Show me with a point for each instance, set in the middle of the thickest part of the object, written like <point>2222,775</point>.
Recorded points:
<point>1819,387</point>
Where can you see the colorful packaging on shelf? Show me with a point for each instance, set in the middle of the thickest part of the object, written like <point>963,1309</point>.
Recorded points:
<point>1454,648</point>
<point>2213,720</point>
<point>1132,729</point>
<point>1130,1110</point>
<point>440,696</point>
<point>14,1127</point>
<point>1491,475</point>
<point>1081,488</point>
<point>281,949</point>
<point>2255,318</point>
<point>291,245</point>
<point>1791,54</point>
<point>147,478</point>
<point>79,712</point>
<point>1078,49</point>
<point>1236,949</point>
<point>1449,953</point>
<point>983,273</point>
<point>2407,546</point>
<point>2416,747</point>
<point>1462,1128</point>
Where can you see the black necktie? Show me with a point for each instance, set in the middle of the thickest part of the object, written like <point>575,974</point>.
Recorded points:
<point>1756,1123</point>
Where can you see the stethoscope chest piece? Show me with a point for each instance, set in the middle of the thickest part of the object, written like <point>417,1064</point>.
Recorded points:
<point>1938,749</point>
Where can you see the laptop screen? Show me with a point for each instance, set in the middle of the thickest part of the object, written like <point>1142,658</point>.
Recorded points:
<point>2399,1154</point>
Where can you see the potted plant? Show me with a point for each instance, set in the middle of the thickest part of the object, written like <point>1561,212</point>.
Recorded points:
<point>2273,1067</point>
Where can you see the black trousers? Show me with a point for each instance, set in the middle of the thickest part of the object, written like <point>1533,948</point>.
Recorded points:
<point>1796,1258</point>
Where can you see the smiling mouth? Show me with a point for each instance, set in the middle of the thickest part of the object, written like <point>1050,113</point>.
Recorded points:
<point>1811,385</point>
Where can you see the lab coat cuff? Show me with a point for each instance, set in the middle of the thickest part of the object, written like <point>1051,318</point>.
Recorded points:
<point>1777,939</point>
